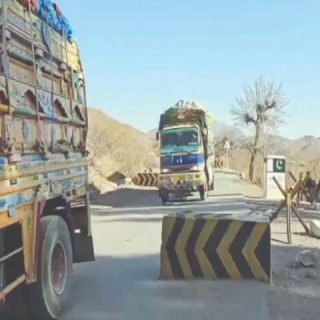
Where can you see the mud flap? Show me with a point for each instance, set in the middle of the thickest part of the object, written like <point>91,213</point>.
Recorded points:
<point>83,248</point>
<point>209,174</point>
<point>212,184</point>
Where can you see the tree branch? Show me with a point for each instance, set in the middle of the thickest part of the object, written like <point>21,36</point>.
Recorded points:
<point>261,107</point>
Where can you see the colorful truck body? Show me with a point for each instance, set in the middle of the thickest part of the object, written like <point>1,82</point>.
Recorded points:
<point>44,207</point>
<point>186,151</point>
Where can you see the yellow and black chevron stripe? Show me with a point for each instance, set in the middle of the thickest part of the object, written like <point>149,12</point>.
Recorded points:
<point>205,247</point>
<point>146,179</point>
<point>218,164</point>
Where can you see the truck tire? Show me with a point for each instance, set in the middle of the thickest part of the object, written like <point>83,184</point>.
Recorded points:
<point>164,199</point>
<point>164,196</point>
<point>203,193</point>
<point>48,297</point>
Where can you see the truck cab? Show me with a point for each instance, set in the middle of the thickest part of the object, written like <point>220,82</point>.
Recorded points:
<point>181,149</point>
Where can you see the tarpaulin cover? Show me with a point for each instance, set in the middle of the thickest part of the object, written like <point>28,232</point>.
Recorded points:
<point>53,16</point>
<point>58,10</point>
<point>33,4</point>
<point>189,112</point>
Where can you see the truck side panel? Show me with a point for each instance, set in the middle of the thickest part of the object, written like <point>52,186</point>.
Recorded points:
<point>43,126</point>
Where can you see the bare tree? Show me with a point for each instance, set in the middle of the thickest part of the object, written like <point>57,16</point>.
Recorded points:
<point>261,107</point>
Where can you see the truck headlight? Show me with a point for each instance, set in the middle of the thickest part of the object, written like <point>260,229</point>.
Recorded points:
<point>197,168</point>
<point>165,170</point>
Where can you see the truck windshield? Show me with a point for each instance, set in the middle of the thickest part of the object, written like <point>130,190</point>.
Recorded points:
<point>180,137</point>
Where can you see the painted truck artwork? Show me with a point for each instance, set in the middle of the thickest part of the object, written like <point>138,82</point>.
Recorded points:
<point>44,209</point>
<point>186,141</point>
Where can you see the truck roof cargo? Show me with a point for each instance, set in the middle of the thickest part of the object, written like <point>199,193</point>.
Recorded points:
<point>50,13</point>
<point>186,112</point>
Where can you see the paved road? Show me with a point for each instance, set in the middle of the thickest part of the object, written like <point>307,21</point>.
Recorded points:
<point>123,282</point>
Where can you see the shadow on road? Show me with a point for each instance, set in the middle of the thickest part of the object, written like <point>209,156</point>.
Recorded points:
<point>112,288</point>
<point>219,207</point>
<point>310,215</point>
<point>132,219</point>
<point>123,198</point>
<point>100,289</point>
<point>142,198</point>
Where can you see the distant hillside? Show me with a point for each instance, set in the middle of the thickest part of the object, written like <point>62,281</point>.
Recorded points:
<point>303,149</point>
<point>302,154</point>
<point>222,130</point>
<point>115,146</point>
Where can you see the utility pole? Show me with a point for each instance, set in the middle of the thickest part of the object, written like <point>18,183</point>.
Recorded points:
<point>227,148</point>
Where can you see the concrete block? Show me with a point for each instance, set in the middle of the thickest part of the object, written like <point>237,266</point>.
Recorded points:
<point>204,246</point>
<point>315,228</point>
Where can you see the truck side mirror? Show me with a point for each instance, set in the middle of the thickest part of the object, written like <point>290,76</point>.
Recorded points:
<point>157,135</point>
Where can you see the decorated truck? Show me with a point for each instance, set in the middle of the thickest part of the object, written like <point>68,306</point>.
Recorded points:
<point>44,209</point>
<point>186,142</point>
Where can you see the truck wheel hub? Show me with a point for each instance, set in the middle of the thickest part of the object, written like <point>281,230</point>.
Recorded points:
<point>59,269</point>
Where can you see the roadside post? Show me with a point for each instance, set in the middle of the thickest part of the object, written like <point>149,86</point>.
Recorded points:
<point>227,147</point>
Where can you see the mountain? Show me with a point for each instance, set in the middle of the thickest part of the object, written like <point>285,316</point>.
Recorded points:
<point>304,149</point>
<point>222,130</point>
<point>301,150</point>
<point>115,146</point>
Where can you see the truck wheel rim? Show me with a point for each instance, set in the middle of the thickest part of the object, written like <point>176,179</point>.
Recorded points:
<point>59,269</point>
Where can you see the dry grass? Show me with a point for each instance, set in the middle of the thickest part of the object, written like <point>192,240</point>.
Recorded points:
<point>118,147</point>
<point>240,158</point>
<point>313,166</point>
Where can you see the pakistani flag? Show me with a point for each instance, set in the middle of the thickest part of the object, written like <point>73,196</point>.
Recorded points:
<point>279,165</point>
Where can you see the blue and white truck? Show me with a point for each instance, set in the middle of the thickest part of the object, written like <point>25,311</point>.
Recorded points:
<point>186,141</point>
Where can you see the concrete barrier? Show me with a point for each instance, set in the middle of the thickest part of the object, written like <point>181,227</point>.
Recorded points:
<point>315,228</point>
<point>206,247</point>
<point>146,179</point>
<point>218,164</point>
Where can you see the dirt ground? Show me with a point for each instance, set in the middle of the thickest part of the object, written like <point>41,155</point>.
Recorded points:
<point>125,213</point>
<point>285,275</point>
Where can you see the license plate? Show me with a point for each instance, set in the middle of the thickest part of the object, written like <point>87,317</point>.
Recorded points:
<point>179,179</point>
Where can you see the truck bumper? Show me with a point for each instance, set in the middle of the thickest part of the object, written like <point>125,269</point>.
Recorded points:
<point>177,182</point>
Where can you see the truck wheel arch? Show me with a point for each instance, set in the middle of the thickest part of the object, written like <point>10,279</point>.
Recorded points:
<point>59,207</point>
<point>77,219</point>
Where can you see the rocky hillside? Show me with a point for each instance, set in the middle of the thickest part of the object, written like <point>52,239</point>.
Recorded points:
<point>303,154</point>
<point>115,146</point>
<point>303,149</point>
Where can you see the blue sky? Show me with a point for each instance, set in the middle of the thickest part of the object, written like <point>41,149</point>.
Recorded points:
<point>140,57</point>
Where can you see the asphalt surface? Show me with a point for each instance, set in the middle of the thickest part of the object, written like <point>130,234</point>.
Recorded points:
<point>123,283</point>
